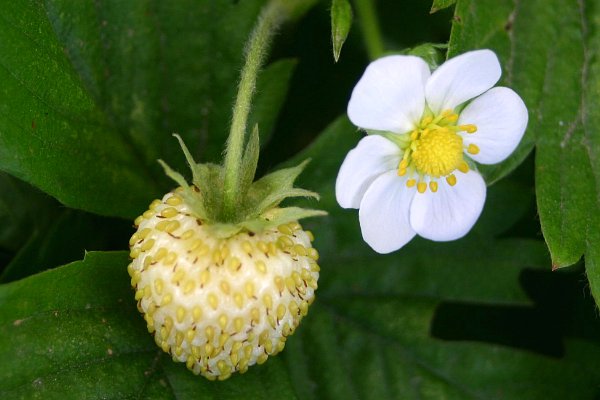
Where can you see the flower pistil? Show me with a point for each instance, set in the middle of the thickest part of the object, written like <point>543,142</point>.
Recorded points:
<point>435,149</point>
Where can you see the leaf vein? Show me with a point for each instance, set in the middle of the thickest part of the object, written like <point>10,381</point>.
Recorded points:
<point>415,358</point>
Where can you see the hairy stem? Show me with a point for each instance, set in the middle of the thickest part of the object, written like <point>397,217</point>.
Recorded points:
<point>256,50</point>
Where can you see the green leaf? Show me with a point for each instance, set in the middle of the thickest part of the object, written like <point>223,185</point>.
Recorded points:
<point>440,5</point>
<point>562,101</point>
<point>53,135</point>
<point>91,94</point>
<point>341,21</point>
<point>74,332</point>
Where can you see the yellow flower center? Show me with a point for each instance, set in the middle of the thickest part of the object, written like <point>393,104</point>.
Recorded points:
<point>435,149</point>
<point>437,152</point>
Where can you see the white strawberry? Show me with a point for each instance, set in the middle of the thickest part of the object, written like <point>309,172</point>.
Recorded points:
<point>222,296</point>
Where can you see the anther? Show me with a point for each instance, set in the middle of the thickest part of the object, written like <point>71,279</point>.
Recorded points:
<point>433,186</point>
<point>410,183</point>
<point>469,128</point>
<point>463,167</point>
<point>422,187</point>
<point>451,179</point>
<point>451,118</point>
<point>473,149</point>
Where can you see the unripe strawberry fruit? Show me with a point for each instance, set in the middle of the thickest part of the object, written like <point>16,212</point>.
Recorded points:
<point>219,305</point>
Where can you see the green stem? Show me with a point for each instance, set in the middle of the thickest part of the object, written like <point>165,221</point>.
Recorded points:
<point>256,50</point>
<point>367,15</point>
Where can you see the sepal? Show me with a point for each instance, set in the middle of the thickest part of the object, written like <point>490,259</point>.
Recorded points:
<point>258,201</point>
<point>278,216</point>
<point>249,162</point>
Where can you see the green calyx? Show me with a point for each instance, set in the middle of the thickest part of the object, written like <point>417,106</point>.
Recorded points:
<point>257,202</point>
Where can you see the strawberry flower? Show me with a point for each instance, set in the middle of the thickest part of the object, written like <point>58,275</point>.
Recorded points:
<point>414,173</point>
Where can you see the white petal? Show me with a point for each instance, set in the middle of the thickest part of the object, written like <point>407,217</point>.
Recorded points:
<point>451,212</point>
<point>383,213</point>
<point>390,96</point>
<point>462,78</point>
<point>372,156</point>
<point>501,118</point>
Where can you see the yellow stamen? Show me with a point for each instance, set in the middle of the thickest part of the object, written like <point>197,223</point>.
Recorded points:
<point>451,118</point>
<point>469,128</point>
<point>451,179</point>
<point>473,149</point>
<point>435,149</point>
